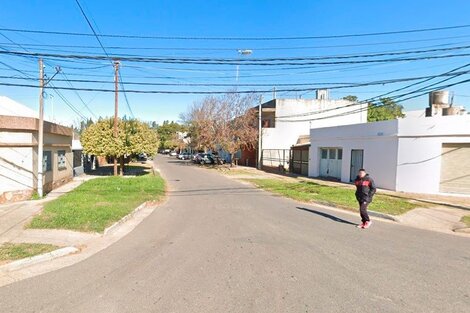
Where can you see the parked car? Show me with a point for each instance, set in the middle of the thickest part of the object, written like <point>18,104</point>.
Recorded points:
<point>205,158</point>
<point>197,157</point>
<point>184,156</point>
<point>142,157</point>
<point>173,153</point>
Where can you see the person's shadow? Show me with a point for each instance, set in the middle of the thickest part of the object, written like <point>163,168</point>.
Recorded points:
<point>331,217</point>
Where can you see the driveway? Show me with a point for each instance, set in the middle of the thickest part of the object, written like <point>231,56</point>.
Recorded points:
<point>218,245</point>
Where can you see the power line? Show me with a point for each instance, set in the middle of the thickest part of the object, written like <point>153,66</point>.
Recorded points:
<point>190,91</point>
<point>91,27</point>
<point>70,105</point>
<point>359,110</point>
<point>408,31</point>
<point>332,85</point>
<point>440,39</point>
<point>79,97</point>
<point>345,56</point>
<point>215,61</point>
<point>252,60</point>
<point>125,96</point>
<point>102,47</point>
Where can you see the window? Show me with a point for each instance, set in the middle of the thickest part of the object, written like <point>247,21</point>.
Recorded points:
<point>46,161</point>
<point>340,154</point>
<point>332,154</point>
<point>61,160</point>
<point>324,153</point>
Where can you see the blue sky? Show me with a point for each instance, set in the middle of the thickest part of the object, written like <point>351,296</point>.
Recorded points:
<point>226,19</point>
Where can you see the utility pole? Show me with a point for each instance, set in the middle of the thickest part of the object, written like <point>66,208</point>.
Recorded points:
<point>274,92</point>
<point>116,107</point>
<point>260,132</point>
<point>41,131</point>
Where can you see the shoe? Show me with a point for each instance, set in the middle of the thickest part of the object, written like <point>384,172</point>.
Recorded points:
<point>367,224</point>
<point>360,225</point>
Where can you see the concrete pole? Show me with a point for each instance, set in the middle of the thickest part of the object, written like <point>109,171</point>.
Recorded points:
<point>260,132</point>
<point>40,180</point>
<point>116,107</point>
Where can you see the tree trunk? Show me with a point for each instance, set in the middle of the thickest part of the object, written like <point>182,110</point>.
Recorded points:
<point>122,165</point>
<point>232,159</point>
<point>115,166</point>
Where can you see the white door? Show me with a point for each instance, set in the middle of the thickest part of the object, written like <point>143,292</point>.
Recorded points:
<point>357,157</point>
<point>330,162</point>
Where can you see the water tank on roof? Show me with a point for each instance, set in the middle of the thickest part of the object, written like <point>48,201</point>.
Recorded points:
<point>322,94</point>
<point>439,97</point>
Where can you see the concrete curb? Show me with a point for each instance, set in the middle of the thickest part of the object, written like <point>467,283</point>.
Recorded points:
<point>464,230</point>
<point>124,219</point>
<point>15,265</point>
<point>384,216</point>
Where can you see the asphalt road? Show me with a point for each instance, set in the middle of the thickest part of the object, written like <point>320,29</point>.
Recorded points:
<point>218,245</point>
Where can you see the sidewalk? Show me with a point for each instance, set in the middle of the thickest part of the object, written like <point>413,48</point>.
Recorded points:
<point>443,212</point>
<point>14,217</point>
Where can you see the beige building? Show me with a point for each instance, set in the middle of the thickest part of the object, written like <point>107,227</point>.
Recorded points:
<point>19,148</point>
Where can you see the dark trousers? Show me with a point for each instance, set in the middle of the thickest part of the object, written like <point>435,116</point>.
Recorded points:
<point>363,210</point>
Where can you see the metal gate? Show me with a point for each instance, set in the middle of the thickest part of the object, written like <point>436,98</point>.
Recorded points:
<point>299,160</point>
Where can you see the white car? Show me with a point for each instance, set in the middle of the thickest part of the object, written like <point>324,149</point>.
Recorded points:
<point>173,153</point>
<point>184,156</point>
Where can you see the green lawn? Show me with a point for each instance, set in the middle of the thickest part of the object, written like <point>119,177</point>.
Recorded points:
<point>336,196</point>
<point>466,220</point>
<point>16,251</point>
<point>98,203</point>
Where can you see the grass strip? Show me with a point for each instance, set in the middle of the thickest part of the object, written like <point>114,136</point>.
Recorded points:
<point>98,203</point>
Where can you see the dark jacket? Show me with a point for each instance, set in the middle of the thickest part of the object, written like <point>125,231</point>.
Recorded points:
<point>365,189</point>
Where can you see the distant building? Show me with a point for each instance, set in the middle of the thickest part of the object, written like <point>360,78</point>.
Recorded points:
<point>19,148</point>
<point>77,150</point>
<point>284,121</point>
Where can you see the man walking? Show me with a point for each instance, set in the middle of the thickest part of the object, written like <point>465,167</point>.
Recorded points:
<point>365,190</point>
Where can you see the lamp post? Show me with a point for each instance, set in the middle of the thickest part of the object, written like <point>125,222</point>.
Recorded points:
<point>242,52</point>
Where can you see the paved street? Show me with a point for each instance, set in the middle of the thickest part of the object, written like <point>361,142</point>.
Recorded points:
<point>218,245</point>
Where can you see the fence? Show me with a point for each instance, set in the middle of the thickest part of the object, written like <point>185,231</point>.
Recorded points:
<point>276,158</point>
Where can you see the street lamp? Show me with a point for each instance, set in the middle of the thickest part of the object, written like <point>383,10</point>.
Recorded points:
<point>242,52</point>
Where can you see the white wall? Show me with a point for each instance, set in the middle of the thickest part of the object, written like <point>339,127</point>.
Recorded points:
<point>287,130</point>
<point>16,164</point>
<point>378,140</point>
<point>420,150</point>
<point>402,155</point>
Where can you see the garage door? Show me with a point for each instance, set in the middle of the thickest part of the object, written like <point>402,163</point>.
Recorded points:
<point>455,168</point>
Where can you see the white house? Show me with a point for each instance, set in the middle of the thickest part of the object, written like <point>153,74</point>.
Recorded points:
<point>285,120</point>
<point>19,149</point>
<point>414,154</point>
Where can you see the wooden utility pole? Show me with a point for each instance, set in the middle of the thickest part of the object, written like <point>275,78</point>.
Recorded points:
<point>116,107</point>
<point>40,180</point>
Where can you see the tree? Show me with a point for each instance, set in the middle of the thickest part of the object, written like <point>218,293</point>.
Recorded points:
<point>237,127</point>
<point>167,134</point>
<point>350,98</point>
<point>387,109</point>
<point>80,128</point>
<point>134,137</point>
<point>226,122</point>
